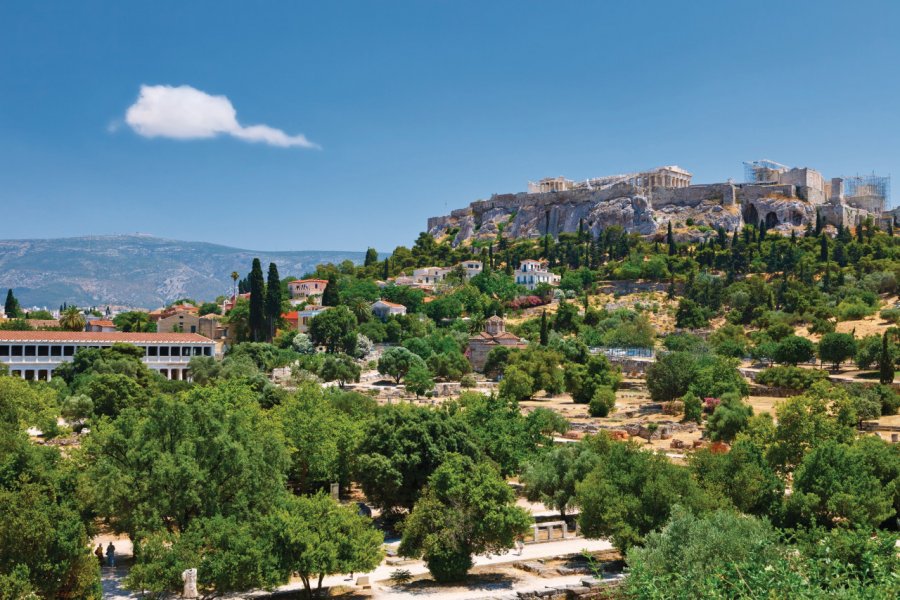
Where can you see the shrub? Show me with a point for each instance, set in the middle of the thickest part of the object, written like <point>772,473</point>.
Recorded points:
<point>603,402</point>
<point>792,378</point>
<point>675,407</point>
<point>852,310</point>
<point>693,408</point>
<point>892,315</point>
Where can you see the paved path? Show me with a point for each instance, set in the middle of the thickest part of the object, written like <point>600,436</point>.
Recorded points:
<point>112,578</point>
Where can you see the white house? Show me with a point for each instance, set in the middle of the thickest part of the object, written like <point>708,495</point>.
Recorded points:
<point>471,267</point>
<point>532,273</point>
<point>33,355</point>
<point>384,309</point>
<point>430,275</point>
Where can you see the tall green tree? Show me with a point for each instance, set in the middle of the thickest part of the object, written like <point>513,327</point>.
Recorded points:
<point>885,362</point>
<point>257,303</point>
<point>402,447</point>
<point>335,329</point>
<point>273,301</point>
<point>371,257</point>
<point>72,320</point>
<point>11,306</point>
<point>331,297</point>
<point>466,509</point>
<point>314,536</point>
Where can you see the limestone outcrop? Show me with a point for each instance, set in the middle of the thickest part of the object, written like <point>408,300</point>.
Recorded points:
<point>695,211</point>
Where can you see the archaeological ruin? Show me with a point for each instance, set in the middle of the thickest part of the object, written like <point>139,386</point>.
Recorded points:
<point>782,197</point>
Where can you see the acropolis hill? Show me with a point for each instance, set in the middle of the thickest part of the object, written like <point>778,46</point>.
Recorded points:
<point>645,202</point>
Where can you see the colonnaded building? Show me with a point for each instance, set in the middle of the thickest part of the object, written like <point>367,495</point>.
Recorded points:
<point>34,355</point>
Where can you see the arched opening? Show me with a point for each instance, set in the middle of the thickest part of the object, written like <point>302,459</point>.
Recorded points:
<point>751,217</point>
<point>796,219</point>
<point>771,220</point>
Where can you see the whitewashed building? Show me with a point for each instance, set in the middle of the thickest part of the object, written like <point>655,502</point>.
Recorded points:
<point>33,355</point>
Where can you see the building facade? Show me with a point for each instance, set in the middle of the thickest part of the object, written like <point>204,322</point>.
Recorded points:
<point>494,335</point>
<point>532,273</point>
<point>383,309</point>
<point>34,355</point>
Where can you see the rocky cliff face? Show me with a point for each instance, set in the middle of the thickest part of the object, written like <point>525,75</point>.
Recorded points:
<point>695,211</point>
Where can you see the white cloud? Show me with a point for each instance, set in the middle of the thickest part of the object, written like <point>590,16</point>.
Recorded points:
<point>186,113</point>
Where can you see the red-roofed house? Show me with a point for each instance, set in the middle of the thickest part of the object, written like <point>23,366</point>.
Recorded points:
<point>100,325</point>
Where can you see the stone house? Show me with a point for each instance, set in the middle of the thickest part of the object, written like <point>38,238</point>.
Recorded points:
<point>494,335</point>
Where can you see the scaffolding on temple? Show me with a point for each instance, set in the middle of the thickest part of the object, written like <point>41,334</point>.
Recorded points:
<point>872,192</point>
<point>763,171</point>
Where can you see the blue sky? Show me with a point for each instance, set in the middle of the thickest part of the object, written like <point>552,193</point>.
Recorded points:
<point>417,107</point>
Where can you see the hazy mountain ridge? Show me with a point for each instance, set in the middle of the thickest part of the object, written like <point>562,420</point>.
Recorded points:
<point>136,270</point>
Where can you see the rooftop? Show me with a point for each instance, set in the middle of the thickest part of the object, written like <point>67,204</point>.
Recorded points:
<point>113,337</point>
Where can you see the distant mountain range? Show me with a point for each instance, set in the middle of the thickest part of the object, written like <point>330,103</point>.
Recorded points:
<point>136,270</point>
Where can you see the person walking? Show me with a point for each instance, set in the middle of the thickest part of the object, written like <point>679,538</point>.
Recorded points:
<point>111,555</point>
<point>520,544</point>
<point>98,552</point>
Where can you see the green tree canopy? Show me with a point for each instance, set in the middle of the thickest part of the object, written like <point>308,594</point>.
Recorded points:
<point>466,509</point>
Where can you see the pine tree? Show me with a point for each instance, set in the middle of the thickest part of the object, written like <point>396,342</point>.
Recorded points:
<point>257,303</point>
<point>885,362</point>
<point>670,239</point>
<point>273,301</point>
<point>545,334</point>
<point>11,306</point>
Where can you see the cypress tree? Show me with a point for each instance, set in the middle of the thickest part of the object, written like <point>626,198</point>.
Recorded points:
<point>762,231</point>
<point>823,249</point>
<point>371,257</point>
<point>11,306</point>
<point>723,237</point>
<point>670,239</point>
<point>330,295</point>
<point>885,362</point>
<point>859,233</point>
<point>387,269</point>
<point>273,301</point>
<point>818,229</point>
<point>490,256</point>
<point>257,302</point>
<point>890,228</point>
<point>544,329</point>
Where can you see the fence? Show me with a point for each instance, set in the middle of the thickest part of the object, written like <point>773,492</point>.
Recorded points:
<point>648,353</point>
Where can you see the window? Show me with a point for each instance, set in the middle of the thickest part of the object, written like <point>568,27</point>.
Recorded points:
<point>68,350</point>
<point>163,350</point>
<point>207,351</point>
<point>152,351</point>
<point>17,351</point>
<point>193,329</point>
<point>4,350</point>
<point>30,351</point>
<point>56,350</point>
<point>43,350</point>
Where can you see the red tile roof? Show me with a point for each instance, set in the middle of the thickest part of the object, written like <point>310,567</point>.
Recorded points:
<point>392,304</point>
<point>114,337</point>
<point>101,323</point>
